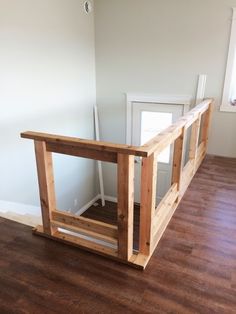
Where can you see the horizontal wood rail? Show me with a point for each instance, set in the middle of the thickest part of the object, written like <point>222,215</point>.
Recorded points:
<point>86,224</point>
<point>55,142</point>
<point>116,241</point>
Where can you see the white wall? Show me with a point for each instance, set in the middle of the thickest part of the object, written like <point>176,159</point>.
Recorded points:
<point>158,46</point>
<point>47,78</point>
<point>47,83</point>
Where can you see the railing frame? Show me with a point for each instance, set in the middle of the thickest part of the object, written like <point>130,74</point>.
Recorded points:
<point>116,241</point>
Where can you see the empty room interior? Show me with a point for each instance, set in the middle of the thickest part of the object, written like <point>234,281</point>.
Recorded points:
<point>118,156</point>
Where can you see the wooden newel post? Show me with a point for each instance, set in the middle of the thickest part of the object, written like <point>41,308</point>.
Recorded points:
<point>194,142</point>
<point>148,202</point>
<point>46,185</point>
<point>206,124</point>
<point>178,159</point>
<point>125,205</point>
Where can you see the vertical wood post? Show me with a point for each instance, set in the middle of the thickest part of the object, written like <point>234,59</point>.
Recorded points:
<point>206,124</point>
<point>148,203</point>
<point>125,205</point>
<point>194,140</point>
<point>46,184</point>
<point>178,159</point>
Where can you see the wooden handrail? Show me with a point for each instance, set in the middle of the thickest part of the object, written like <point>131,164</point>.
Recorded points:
<point>86,144</point>
<point>117,241</point>
<point>159,142</point>
<point>156,144</point>
<point>152,224</point>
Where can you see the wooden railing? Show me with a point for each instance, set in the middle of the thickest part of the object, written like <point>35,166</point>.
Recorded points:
<point>116,241</point>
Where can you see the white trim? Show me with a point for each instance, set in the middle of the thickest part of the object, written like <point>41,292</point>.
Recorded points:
<point>227,108</point>
<point>158,98</point>
<point>225,105</point>
<point>108,198</point>
<point>100,174</point>
<point>111,198</point>
<point>202,79</point>
<point>88,205</point>
<point>19,208</point>
<point>23,209</point>
<point>184,100</point>
<point>94,200</point>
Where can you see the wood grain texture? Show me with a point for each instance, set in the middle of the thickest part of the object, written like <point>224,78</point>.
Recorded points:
<point>46,184</point>
<point>82,152</point>
<point>155,145</point>
<point>178,159</point>
<point>102,228</point>
<point>207,117</point>
<point>45,144</point>
<point>75,142</point>
<point>168,136</point>
<point>193,270</point>
<point>125,205</point>
<point>148,202</point>
<point>194,138</point>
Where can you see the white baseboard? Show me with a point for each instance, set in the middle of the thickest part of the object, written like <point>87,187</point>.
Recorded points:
<point>24,209</point>
<point>86,206</point>
<point>111,198</point>
<point>19,208</point>
<point>94,200</point>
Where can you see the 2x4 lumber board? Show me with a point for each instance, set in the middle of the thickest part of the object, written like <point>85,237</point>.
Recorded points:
<point>87,233</point>
<point>206,123</point>
<point>168,136</point>
<point>125,206</point>
<point>86,224</point>
<point>194,139</point>
<point>148,202</point>
<point>195,113</point>
<point>190,119</point>
<point>81,242</point>
<point>46,184</point>
<point>178,158</point>
<point>203,106</point>
<point>140,260</point>
<point>164,139</point>
<point>164,207</point>
<point>137,261</point>
<point>191,168</point>
<point>187,175</point>
<point>86,144</point>
<point>201,153</point>
<point>82,152</point>
<point>162,227</point>
<point>201,149</point>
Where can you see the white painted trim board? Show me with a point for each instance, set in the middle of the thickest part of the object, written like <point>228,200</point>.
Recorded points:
<point>131,98</point>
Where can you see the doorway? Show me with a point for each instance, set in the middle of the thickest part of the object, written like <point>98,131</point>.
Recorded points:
<point>148,120</point>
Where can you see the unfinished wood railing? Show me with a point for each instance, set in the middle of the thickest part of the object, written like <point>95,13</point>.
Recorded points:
<point>116,241</point>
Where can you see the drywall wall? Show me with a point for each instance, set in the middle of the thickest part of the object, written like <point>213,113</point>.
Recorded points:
<point>47,83</point>
<point>160,47</point>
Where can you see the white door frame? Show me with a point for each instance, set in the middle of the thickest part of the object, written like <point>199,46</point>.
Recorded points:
<point>164,167</point>
<point>132,98</point>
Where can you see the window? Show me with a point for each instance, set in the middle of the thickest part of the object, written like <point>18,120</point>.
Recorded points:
<point>229,93</point>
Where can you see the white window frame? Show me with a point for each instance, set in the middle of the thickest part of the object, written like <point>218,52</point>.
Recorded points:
<point>226,105</point>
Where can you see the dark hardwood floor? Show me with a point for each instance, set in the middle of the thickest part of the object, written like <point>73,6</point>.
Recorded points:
<point>193,269</point>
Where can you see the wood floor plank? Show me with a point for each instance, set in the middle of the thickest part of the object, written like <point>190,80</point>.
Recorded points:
<point>193,269</point>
